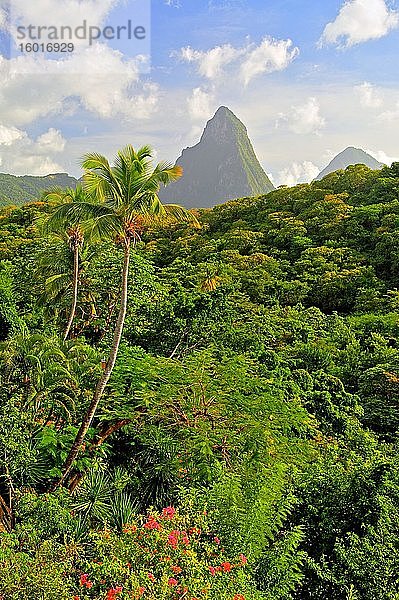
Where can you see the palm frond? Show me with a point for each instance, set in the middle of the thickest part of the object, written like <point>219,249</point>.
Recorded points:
<point>107,226</point>
<point>95,161</point>
<point>100,180</point>
<point>145,152</point>
<point>168,173</point>
<point>181,214</point>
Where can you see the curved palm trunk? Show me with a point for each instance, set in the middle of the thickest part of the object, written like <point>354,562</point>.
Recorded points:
<point>75,291</point>
<point>107,372</point>
<point>6,517</point>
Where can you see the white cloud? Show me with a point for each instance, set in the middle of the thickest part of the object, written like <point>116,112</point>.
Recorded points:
<point>200,104</point>
<point>108,86</point>
<point>229,5</point>
<point>66,13</point>
<point>382,157</point>
<point>359,21</point>
<point>9,135</point>
<point>303,119</point>
<point>51,141</point>
<point>32,164</point>
<point>390,115</point>
<point>95,82</point>
<point>271,55</point>
<point>211,63</point>
<point>3,18</point>
<point>370,96</point>
<point>297,173</point>
<point>23,155</point>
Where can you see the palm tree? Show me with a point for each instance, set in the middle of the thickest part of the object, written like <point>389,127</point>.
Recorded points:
<point>72,232</point>
<point>126,201</point>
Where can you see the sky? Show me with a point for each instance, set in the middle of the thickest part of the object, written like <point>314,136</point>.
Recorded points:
<point>307,77</point>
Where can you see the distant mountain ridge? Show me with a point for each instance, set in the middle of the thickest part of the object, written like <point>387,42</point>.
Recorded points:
<point>222,166</point>
<point>21,189</point>
<point>350,156</point>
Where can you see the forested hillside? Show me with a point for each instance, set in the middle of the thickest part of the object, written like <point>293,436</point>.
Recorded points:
<point>19,190</point>
<point>246,444</point>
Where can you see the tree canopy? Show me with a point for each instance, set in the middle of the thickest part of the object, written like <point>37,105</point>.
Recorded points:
<point>244,444</point>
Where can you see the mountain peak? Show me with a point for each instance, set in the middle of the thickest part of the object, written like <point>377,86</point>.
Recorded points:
<point>350,156</point>
<point>222,166</point>
<point>223,125</point>
<point>223,110</point>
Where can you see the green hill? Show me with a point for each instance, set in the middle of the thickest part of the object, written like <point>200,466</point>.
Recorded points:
<point>19,190</point>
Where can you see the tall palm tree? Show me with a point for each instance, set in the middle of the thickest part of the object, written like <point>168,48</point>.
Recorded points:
<point>126,201</point>
<point>71,231</point>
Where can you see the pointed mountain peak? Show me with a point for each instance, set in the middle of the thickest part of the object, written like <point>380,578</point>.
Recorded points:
<point>224,112</point>
<point>222,166</point>
<point>223,125</point>
<point>346,158</point>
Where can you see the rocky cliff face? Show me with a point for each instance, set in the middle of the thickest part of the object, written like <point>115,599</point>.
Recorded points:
<point>221,167</point>
<point>350,156</point>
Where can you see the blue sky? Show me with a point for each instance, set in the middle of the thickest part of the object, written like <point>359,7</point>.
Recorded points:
<point>307,78</point>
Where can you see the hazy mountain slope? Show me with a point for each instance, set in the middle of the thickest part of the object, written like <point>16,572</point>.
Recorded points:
<point>350,156</point>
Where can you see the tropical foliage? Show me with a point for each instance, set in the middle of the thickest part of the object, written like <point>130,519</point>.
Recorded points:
<point>221,420</point>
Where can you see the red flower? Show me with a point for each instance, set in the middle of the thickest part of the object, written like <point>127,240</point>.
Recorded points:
<point>216,540</point>
<point>172,582</point>
<point>168,512</point>
<point>114,592</point>
<point>151,577</point>
<point>243,559</point>
<point>173,538</point>
<point>141,590</point>
<point>238,597</point>
<point>212,571</point>
<point>76,598</point>
<point>84,581</point>
<point>226,566</point>
<point>152,524</point>
<point>176,569</point>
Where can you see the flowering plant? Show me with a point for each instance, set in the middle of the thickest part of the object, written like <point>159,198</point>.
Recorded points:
<point>163,556</point>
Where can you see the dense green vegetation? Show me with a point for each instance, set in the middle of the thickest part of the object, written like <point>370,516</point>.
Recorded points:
<point>245,444</point>
<point>19,190</point>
